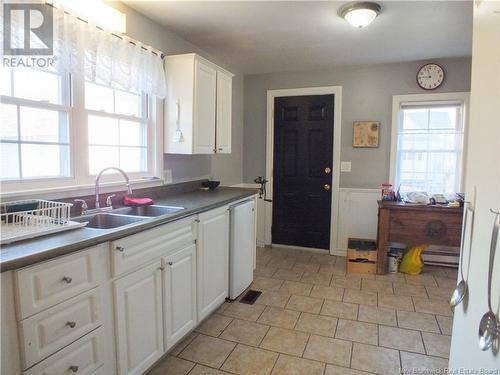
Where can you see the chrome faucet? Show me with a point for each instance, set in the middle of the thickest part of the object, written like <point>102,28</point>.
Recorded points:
<point>127,182</point>
<point>85,208</point>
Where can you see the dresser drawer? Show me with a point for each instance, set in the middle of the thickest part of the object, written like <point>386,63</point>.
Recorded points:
<point>48,331</point>
<point>130,252</point>
<point>83,357</point>
<point>48,283</point>
<point>424,227</point>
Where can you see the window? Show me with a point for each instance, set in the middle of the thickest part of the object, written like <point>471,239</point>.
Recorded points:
<point>46,134</point>
<point>98,105</point>
<point>35,130</point>
<point>428,143</point>
<point>117,129</point>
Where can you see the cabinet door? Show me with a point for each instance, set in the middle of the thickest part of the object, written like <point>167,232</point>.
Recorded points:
<point>242,238</point>
<point>213,254</point>
<point>180,294</point>
<point>138,319</point>
<point>224,122</point>
<point>205,81</point>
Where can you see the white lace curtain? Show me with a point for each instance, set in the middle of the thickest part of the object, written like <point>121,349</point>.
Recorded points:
<point>80,48</point>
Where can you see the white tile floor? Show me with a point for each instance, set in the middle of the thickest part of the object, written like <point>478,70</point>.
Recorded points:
<point>312,318</point>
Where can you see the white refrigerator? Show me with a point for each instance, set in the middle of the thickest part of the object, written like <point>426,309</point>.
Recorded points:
<point>242,247</point>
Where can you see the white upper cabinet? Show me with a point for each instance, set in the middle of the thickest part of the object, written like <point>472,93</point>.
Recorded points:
<point>198,106</point>
<point>205,82</point>
<point>223,113</point>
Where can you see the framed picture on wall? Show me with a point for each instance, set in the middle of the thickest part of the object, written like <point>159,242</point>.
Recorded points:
<point>365,134</point>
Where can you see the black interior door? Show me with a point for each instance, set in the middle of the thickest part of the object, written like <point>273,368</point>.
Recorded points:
<point>302,176</point>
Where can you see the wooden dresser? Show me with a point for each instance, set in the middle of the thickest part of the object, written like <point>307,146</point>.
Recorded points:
<point>415,224</point>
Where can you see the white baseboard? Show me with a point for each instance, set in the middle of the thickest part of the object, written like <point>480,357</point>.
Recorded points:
<point>310,249</point>
<point>339,252</point>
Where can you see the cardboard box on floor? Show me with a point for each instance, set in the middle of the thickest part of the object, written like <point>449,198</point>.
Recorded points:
<point>361,255</point>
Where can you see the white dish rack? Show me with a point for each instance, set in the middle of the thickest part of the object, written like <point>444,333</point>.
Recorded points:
<point>48,217</point>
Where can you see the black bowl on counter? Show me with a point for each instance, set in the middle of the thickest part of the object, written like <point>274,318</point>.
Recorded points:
<point>210,184</point>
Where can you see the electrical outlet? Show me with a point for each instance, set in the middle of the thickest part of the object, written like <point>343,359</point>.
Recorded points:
<point>345,166</point>
<point>167,176</point>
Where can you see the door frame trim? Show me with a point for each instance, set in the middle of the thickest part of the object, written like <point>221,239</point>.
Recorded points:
<point>322,90</point>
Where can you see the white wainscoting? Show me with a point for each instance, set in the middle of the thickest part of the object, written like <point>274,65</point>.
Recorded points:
<point>357,216</point>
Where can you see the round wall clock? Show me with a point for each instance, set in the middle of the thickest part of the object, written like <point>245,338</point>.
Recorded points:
<point>430,76</point>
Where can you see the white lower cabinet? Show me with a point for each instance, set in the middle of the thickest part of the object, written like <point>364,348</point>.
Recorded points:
<point>85,356</point>
<point>139,319</point>
<point>179,286</point>
<point>53,329</point>
<point>163,282</point>
<point>213,260</point>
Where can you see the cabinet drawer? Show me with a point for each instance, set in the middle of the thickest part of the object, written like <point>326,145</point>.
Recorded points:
<point>83,357</point>
<point>131,252</point>
<point>48,283</point>
<point>44,333</point>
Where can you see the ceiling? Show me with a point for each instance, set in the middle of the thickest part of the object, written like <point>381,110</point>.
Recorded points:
<point>263,36</point>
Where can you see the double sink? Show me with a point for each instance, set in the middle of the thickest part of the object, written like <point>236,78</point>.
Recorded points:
<point>124,216</point>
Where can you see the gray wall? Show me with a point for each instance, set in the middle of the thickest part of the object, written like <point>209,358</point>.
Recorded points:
<point>227,168</point>
<point>366,95</point>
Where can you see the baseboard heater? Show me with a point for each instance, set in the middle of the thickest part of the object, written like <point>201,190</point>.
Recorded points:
<point>438,256</point>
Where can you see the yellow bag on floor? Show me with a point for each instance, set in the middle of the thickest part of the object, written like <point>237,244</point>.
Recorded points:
<point>412,262</point>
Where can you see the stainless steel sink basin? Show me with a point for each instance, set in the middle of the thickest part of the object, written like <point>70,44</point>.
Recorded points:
<point>108,220</point>
<point>149,211</point>
<point>124,216</point>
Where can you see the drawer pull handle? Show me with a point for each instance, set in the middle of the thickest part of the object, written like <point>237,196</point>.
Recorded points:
<point>120,249</point>
<point>73,368</point>
<point>161,268</point>
<point>170,263</point>
<point>71,324</point>
<point>67,279</point>
<point>197,220</point>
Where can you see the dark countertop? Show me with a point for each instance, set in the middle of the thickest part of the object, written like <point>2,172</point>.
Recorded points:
<point>27,252</point>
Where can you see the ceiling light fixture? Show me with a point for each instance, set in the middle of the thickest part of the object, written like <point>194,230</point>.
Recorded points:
<point>360,14</point>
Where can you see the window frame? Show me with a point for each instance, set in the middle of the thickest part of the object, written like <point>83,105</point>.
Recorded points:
<point>64,106</point>
<point>73,94</point>
<point>428,99</point>
<point>145,118</point>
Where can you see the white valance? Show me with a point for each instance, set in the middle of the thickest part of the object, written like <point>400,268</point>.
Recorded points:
<point>80,48</point>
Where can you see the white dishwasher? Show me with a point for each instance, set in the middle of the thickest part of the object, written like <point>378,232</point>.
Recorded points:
<point>242,247</point>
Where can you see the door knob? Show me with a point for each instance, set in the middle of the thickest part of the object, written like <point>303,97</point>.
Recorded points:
<point>327,187</point>
<point>328,170</point>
